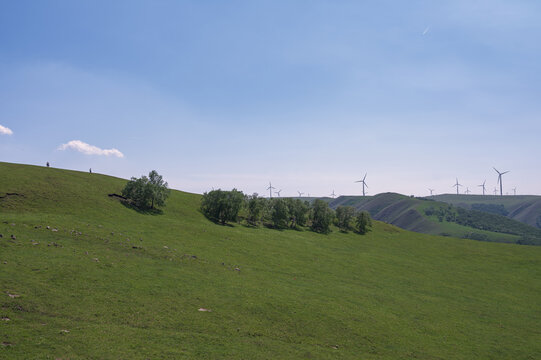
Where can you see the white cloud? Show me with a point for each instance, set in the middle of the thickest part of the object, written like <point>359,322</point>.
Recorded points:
<point>88,149</point>
<point>5,131</point>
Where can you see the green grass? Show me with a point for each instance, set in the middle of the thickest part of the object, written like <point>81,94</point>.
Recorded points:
<point>390,294</point>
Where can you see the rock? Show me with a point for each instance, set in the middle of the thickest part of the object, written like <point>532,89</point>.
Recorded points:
<point>5,343</point>
<point>55,230</point>
<point>237,269</point>
<point>194,257</point>
<point>204,310</point>
<point>96,259</point>
<point>166,247</point>
<point>1,236</point>
<point>5,318</point>
<point>48,227</point>
<point>13,237</point>
<point>64,331</point>
<point>12,224</point>
<point>13,296</point>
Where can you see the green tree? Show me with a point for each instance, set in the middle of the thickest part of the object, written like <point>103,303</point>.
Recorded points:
<point>222,206</point>
<point>255,206</point>
<point>298,211</point>
<point>147,192</point>
<point>344,216</point>
<point>363,222</point>
<point>158,189</point>
<point>321,217</point>
<point>280,213</point>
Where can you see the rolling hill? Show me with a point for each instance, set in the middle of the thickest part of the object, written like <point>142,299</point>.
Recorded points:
<point>82,276</point>
<point>424,215</point>
<point>523,208</point>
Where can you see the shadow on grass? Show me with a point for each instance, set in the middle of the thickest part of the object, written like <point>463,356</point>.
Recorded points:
<point>144,211</point>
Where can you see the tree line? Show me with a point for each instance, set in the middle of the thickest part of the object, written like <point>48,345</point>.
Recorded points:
<point>223,206</point>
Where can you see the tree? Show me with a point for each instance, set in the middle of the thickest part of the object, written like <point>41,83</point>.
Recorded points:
<point>222,206</point>
<point>159,192</point>
<point>344,215</point>
<point>147,192</point>
<point>363,222</point>
<point>321,217</point>
<point>255,206</point>
<point>280,213</point>
<point>298,211</point>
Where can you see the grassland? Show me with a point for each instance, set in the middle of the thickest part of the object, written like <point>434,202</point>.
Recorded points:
<point>112,283</point>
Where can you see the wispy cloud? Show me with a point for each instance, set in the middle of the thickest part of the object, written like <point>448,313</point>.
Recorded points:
<point>426,30</point>
<point>5,131</point>
<point>88,149</point>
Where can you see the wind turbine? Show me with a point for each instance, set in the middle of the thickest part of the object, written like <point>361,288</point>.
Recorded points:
<point>278,192</point>
<point>457,185</point>
<point>333,194</point>
<point>500,179</point>
<point>300,193</point>
<point>431,191</point>
<point>270,188</point>
<point>515,191</point>
<point>495,191</point>
<point>364,183</point>
<point>483,186</point>
<point>467,191</point>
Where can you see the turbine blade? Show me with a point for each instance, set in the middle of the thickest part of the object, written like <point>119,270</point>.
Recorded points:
<point>505,172</point>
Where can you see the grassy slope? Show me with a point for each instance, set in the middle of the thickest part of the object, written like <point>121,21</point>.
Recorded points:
<point>523,208</point>
<point>390,294</point>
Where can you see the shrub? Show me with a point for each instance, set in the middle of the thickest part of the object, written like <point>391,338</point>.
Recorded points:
<point>147,192</point>
<point>363,222</point>
<point>344,216</point>
<point>280,213</point>
<point>321,217</point>
<point>222,206</point>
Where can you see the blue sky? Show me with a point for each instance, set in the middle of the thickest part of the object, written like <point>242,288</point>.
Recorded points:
<point>310,95</point>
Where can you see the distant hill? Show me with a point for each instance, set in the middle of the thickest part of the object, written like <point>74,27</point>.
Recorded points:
<point>523,208</point>
<point>428,216</point>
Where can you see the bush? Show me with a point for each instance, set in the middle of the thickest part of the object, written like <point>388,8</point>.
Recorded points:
<point>344,216</point>
<point>147,192</point>
<point>255,206</point>
<point>222,206</point>
<point>321,217</point>
<point>363,222</point>
<point>298,211</point>
<point>280,213</point>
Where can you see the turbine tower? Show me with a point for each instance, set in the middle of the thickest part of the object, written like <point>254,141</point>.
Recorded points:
<point>364,183</point>
<point>500,179</point>
<point>457,185</point>
<point>333,194</point>
<point>467,191</point>
<point>483,186</point>
<point>278,192</point>
<point>270,188</point>
<point>300,193</point>
<point>515,191</point>
<point>431,191</point>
